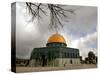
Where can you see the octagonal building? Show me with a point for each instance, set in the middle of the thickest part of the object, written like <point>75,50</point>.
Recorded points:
<point>56,53</point>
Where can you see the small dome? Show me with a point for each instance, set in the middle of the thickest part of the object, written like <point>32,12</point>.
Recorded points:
<point>56,38</point>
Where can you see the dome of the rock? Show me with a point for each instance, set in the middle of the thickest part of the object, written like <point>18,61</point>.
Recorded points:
<point>55,54</point>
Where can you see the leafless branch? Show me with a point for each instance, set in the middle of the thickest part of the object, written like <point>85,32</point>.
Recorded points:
<point>56,13</point>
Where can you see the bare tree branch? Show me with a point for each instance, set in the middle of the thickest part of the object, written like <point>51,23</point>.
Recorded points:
<point>56,13</point>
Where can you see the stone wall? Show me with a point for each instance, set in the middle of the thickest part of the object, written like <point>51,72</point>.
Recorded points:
<point>67,61</point>
<point>55,62</point>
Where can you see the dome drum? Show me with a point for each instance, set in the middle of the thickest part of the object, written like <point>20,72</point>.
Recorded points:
<point>56,44</point>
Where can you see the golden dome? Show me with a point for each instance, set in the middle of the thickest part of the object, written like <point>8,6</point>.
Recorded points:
<point>56,38</point>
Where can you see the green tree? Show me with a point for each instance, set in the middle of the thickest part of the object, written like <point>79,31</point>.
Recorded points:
<point>91,57</point>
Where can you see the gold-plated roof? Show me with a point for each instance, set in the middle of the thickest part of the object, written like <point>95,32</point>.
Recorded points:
<point>56,38</point>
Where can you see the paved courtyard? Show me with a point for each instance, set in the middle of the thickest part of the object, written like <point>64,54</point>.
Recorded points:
<point>68,67</point>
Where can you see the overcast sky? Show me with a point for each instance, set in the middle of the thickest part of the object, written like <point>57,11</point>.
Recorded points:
<point>80,32</point>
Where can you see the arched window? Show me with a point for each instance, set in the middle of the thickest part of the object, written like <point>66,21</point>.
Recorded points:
<point>68,55</point>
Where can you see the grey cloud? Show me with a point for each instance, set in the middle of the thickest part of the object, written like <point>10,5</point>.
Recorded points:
<point>85,42</point>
